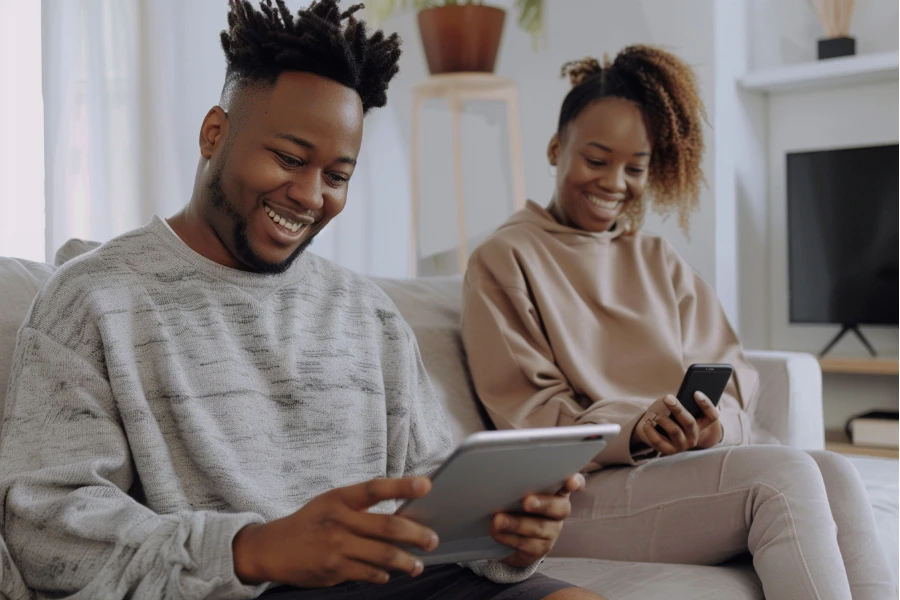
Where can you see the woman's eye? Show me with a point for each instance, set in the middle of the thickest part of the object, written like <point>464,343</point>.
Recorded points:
<point>595,163</point>
<point>289,160</point>
<point>636,170</point>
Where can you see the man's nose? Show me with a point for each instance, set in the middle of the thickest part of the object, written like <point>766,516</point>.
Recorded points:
<point>305,189</point>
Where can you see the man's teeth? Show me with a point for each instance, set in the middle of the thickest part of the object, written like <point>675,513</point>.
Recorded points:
<point>284,222</point>
<point>607,204</point>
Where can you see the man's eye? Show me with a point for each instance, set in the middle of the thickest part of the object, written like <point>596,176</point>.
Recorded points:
<point>289,160</point>
<point>338,178</point>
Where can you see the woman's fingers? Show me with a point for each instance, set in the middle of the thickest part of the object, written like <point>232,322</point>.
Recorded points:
<point>657,441</point>
<point>706,405</point>
<point>685,420</point>
<point>674,432</point>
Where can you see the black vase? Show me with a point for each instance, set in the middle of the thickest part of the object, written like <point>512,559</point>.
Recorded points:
<point>836,47</point>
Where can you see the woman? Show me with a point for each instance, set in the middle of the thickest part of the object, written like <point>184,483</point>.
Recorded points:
<point>573,315</point>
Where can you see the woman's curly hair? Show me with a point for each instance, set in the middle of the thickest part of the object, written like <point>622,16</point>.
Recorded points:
<point>665,89</point>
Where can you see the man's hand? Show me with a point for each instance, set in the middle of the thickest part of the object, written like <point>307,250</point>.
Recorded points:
<point>682,431</point>
<point>532,537</point>
<point>332,539</point>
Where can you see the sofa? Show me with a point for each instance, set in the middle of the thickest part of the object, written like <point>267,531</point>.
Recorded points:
<point>790,408</point>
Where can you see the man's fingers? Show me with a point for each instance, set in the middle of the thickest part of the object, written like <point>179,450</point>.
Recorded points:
<point>391,528</point>
<point>535,527</point>
<point>551,507</point>
<point>383,556</point>
<point>369,493</point>
<point>572,484</point>
<point>534,548</point>
<point>352,570</point>
<point>657,441</point>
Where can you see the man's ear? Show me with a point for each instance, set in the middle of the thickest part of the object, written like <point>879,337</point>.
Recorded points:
<point>553,150</point>
<point>213,131</point>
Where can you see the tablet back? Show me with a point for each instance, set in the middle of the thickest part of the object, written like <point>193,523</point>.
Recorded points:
<point>492,472</point>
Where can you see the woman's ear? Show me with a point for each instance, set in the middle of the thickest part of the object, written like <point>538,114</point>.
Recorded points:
<point>213,131</point>
<point>553,150</point>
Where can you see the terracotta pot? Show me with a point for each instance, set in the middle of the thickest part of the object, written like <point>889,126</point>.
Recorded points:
<point>461,37</point>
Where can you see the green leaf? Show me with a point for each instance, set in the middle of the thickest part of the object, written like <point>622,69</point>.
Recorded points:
<point>531,19</point>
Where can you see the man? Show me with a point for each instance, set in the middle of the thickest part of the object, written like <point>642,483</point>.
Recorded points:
<point>199,409</point>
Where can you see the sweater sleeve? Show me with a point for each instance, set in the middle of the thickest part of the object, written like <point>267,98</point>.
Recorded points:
<point>418,429</point>
<point>707,337</point>
<point>516,376</point>
<point>70,524</point>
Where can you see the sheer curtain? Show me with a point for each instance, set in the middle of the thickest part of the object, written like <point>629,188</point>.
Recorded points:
<point>111,161</point>
<point>21,131</point>
<point>126,84</point>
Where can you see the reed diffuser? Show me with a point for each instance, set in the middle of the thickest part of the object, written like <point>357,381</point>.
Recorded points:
<point>835,17</point>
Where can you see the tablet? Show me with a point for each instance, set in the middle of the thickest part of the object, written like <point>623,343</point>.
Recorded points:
<point>491,472</point>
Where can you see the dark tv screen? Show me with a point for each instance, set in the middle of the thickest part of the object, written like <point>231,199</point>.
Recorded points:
<point>842,235</point>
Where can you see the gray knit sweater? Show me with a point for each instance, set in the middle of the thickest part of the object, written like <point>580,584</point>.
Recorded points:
<point>159,402</point>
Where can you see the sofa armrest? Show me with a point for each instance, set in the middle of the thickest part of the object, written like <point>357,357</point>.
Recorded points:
<point>789,404</point>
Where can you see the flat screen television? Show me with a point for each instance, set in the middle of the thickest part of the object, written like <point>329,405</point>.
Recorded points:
<point>842,236</point>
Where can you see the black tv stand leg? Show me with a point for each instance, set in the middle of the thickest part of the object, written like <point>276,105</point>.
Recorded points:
<point>844,330</point>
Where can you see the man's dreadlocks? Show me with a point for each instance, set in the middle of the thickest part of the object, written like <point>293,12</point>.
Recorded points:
<point>261,44</point>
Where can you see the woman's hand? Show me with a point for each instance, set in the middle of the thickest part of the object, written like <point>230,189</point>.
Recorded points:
<point>680,430</point>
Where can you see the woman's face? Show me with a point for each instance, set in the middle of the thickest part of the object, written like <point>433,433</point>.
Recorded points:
<point>601,164</point>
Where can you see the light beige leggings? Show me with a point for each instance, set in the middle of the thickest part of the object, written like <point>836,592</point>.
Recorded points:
<point>804,516</point>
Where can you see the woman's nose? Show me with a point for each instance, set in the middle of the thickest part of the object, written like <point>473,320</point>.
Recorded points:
<point>613,181</point>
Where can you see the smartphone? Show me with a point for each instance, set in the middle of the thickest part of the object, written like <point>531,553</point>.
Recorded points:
<point>709,379</point>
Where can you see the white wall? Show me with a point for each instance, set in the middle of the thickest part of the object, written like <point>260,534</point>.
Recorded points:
<point>575,28</point>
<point>784,32</point>
<point>781,32</point>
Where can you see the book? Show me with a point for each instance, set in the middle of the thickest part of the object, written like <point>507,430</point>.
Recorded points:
<point>877,429</point>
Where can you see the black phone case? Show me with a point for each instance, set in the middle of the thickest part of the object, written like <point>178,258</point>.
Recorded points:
<point>709,379</point>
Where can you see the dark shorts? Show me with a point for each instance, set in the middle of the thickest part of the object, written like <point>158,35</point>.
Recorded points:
<point>443,582</point>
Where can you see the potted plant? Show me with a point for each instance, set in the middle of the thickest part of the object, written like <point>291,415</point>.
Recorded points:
<point>462,35</point>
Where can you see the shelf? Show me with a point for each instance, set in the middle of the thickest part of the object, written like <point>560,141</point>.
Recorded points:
<point>836,441</point>
<point>860,366</point>
<point>832,72</point>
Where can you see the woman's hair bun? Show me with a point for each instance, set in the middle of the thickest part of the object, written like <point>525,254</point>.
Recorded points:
<point>579,70</point>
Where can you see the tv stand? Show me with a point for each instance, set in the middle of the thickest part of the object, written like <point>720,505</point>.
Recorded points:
<point>855,329</point>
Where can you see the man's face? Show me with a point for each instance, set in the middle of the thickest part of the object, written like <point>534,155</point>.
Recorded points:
<point>281,175</point>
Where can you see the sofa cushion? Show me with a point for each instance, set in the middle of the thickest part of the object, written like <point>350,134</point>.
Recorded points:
<point>735,580</point>
<point>431,306</point>
<point>73,248</point>
<point>882,482</point>
<point>20,281</point>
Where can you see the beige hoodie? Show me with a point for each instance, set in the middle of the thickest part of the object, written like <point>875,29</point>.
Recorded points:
<point>565,327</point>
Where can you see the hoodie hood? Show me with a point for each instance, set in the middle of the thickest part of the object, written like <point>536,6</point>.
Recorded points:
<point>538,216</point>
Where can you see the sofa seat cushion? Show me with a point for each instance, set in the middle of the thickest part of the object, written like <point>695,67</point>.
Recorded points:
<point>637,581</point>
<point>881,476</point>
<point>20,281</point>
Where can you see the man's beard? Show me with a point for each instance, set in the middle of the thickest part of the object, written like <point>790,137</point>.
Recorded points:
<point>242,247</point>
